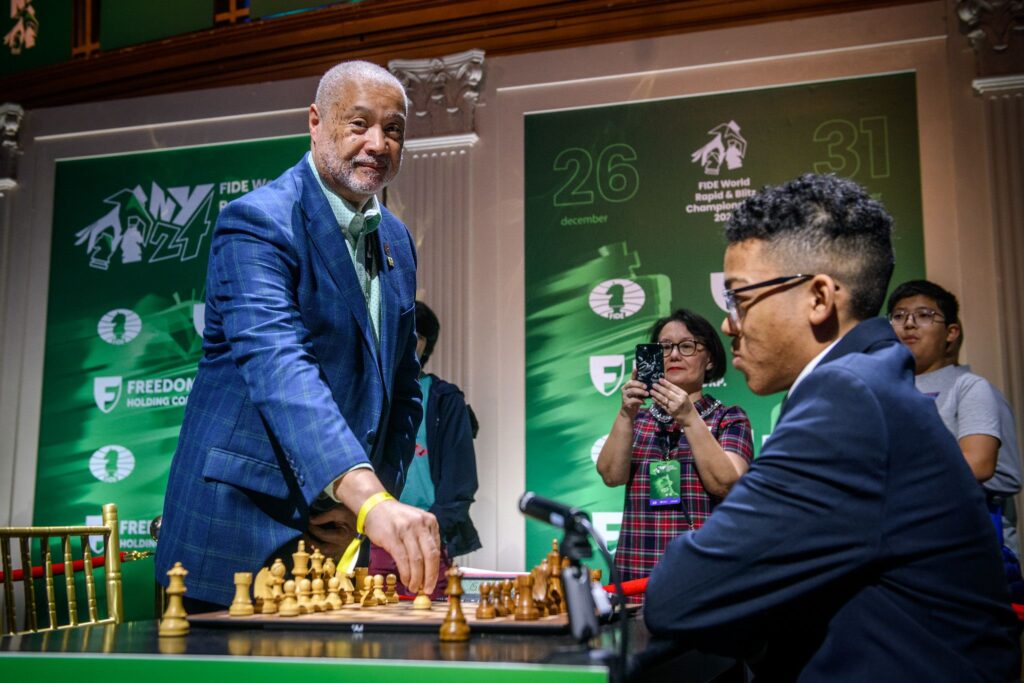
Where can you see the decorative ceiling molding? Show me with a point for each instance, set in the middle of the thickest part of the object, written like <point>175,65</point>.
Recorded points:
<point>427,145</point>
<point>995,30</point>
<point>308,43</point>
<point>999,85</point>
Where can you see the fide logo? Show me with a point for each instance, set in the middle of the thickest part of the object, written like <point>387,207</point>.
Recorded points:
<point>111,464</point>
<point>119,326</point>
<point>617,299</point>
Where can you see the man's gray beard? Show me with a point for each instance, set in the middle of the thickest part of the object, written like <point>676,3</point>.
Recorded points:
<point>343,174</point>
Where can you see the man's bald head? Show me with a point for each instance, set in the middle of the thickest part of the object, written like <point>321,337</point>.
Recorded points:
<point>340,77</point>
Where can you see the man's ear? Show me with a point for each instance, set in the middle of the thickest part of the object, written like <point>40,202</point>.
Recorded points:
<point>314,120</point>
<point>824,297</point>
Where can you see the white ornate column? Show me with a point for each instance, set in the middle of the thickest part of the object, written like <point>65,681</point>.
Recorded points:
<point>11,116</point>
<point>433,193</point>
<point>11,312</point>
<point>995,30</point>
<point>1004,113</point>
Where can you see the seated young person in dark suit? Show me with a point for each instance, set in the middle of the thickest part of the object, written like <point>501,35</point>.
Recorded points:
<point>857,547</point>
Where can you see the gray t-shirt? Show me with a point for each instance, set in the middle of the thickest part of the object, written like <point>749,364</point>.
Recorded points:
<point>968,404</point>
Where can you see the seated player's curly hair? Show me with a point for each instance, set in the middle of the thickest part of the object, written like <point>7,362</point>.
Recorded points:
<point>823,224</point>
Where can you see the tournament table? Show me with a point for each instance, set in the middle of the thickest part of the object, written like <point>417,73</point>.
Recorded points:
<point>135,652</point>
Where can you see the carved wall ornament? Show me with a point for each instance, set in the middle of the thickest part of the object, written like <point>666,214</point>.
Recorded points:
<point>995,29</point>
<point>443,92</point>
<point>11,116</point>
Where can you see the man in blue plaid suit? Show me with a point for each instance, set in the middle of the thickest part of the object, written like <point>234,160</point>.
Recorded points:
<point>306,402</point>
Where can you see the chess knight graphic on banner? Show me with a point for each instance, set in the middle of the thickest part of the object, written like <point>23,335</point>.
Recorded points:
<point>164,225</point>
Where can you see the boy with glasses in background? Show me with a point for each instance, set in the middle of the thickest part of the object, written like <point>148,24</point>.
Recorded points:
<point>926,319</point>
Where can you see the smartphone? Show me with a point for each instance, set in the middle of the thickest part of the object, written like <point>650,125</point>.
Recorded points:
<point>650,364</point>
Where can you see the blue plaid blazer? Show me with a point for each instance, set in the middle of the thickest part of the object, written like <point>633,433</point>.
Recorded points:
<point>292,389</point>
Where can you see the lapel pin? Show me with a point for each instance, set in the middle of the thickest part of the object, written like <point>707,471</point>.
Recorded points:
<point>387,251</point>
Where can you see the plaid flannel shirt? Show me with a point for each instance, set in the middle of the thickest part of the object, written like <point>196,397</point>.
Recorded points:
<point>647,530</point>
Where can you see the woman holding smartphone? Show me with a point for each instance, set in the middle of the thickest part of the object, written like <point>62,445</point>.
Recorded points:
<point>679,457</point>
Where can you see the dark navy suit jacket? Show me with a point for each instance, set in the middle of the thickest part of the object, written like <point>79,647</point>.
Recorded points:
<point>292,389</point>
<point>856,548</point>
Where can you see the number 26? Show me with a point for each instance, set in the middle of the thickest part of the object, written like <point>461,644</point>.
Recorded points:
<point>617,180</point>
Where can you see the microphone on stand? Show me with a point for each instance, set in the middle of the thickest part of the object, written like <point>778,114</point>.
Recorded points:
<point>551,511</point>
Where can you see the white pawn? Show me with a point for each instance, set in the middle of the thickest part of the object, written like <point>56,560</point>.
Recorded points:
<point>333,601</point>
<point>289,607</point>
<point>378,589</point>
<point>306,605</point>
<point>319,595</point>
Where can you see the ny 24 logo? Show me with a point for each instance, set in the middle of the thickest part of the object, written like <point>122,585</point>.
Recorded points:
<point>141,228</point>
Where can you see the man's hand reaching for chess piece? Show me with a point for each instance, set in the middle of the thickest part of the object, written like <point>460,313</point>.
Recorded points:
<point>408,534</point>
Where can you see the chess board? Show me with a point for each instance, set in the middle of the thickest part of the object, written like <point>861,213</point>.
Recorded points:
<point>384,618</point>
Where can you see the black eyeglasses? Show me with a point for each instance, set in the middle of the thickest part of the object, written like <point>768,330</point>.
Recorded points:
<point>730,294</point>
<point>687,347</point>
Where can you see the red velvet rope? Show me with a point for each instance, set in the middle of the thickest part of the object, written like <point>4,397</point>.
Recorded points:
<point>634,587</point>
<point>39,571</point>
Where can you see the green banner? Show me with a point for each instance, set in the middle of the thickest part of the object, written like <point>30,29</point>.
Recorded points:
<point>36,33</point>
<point>625,206</point>
<point>131,237</point>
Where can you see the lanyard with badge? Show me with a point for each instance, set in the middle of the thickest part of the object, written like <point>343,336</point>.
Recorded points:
<point>664,476</point>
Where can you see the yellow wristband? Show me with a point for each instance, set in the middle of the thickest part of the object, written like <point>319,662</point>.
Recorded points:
<point>347,564</point>
<point>368,505</point>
